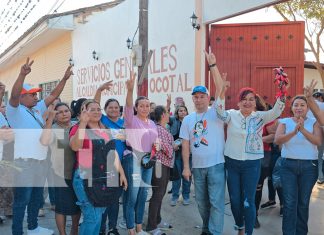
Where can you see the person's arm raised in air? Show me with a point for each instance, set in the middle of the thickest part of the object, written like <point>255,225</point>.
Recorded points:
<point>105,86</point>
<point>17,87</point>
<point>76,141</point>
<point>59,88</point>
<point>47,137</point>
<point>211,59</point>
<point>318,114</point>
<point>128,112</point>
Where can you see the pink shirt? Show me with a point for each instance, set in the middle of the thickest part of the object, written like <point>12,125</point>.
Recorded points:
<point>140,135</point>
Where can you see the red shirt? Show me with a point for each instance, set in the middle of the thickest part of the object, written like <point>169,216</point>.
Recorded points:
<point>266,146</point>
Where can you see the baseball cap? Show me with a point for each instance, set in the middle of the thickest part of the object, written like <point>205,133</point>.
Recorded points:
<point>28,89</point>
<point>201,89</point>
<point>318,94</point>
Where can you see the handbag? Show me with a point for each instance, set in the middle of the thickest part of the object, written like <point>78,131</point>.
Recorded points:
<point>145,160</point>
<point>104,189</point>
<point>276,179</point>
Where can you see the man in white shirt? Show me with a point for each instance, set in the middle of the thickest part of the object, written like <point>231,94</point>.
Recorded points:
<point>6,154</point>
<point>203,135</point>
<point>24,112</point>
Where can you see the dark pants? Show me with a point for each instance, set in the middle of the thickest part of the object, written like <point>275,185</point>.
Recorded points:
<point>28,193</point>
<point>160,179</point>
<point>176,185</point>
<point>112,213</point>
<point>275,154</point>
<point>30,197</point>
<point>258,195</point>
<point>298,178</point>
<point>242,180</point>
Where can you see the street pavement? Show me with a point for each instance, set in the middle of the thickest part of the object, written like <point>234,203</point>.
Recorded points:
<point>186,219</point>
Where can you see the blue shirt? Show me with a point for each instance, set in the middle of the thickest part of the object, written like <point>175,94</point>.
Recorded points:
<point>117,132</point>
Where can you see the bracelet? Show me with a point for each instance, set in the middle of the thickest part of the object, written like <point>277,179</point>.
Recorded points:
<point>211,65</point>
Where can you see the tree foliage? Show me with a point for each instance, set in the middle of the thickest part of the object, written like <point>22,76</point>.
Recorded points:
<point>312,12</point>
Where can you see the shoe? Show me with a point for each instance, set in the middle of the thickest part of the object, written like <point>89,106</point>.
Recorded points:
<point>156,231</point>
<point>113,231</point>
<point>281,211</point>
<point>164,226</point>
<point>142,233</point>
<point>122,224</point>
<point>170,191</point>
<point>173,202</point>
<point>257,223</point>
<point>320,182</point>
<point>41,213</point>
<point>268,204</point>
<point>186,202</point>
<point>205,233</point>
<point>40,231</point>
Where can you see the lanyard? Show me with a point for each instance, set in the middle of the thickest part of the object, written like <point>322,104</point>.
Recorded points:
<point>36,119</point>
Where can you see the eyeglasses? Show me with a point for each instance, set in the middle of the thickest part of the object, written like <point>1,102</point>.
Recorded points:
<point>93,110</point>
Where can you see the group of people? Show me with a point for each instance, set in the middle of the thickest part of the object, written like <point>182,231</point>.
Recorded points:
<point>99,156</point>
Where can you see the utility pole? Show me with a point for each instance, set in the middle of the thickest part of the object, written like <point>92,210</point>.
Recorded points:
<point>142,89</point>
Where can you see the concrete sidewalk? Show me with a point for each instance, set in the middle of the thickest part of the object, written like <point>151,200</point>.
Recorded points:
<point>186,219</point>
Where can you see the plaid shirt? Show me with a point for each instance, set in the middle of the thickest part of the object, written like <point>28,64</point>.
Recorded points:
<point>165,155</point>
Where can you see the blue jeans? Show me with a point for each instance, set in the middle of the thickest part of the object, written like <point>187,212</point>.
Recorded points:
<point>210,197</point>
<point>242,180</point>
<point>134,198</point>
<point>177,183</point>
<point>91,215</point>
<point>31,197</point>
<point>298,178</point>
<point>112,213</point>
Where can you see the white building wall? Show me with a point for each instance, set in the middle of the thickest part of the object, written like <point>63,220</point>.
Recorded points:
<point>106,33</point>
<point>309,75</point>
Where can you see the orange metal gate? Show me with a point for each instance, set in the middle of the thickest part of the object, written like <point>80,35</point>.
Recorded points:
<point>249,52</point>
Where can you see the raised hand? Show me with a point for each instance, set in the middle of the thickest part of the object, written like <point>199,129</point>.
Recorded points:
<point>84,116</point>
<point>131,82</point>
<point>168,100</point>
<point>26,68</point>
<point>106,86</point>
<point>51,114</point>
<point>68,73</point>
<point>210,57</point>
<point>308,90</point>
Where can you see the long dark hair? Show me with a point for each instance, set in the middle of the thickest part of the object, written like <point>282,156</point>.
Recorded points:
<point>76,107</point>
<point>176,112</point>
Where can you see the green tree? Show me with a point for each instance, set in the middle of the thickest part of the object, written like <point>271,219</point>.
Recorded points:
<point>312,12</point>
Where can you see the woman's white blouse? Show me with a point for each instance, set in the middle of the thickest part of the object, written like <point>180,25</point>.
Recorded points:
<point>244,135</point>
